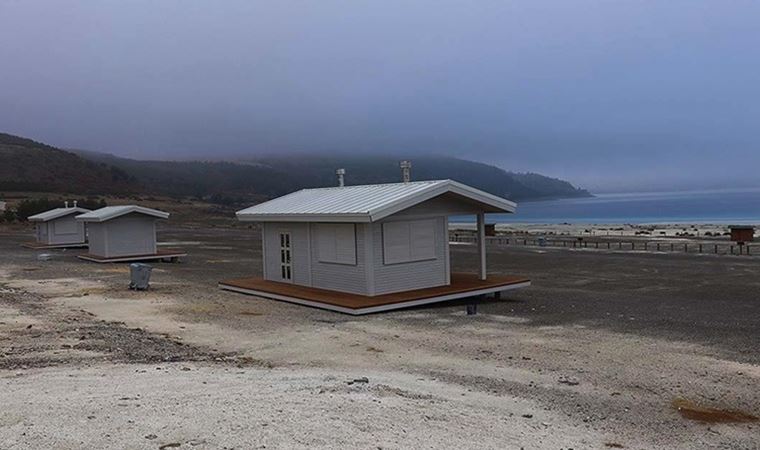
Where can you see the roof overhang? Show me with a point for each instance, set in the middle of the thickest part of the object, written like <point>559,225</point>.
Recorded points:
<point>57,213</point>
<point>106,214</point>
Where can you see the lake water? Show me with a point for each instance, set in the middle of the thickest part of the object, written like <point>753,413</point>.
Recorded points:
<point>718,207</point>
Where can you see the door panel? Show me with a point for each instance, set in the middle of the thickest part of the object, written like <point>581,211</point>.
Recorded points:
<point>286,257</point>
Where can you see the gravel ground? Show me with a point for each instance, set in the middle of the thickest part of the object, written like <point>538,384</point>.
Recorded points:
<point>595,355</point>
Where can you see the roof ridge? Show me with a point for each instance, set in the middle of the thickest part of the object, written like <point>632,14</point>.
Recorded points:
<point>401,183</point>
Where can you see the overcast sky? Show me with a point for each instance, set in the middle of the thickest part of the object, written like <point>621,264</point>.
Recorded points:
<point>611,95</point>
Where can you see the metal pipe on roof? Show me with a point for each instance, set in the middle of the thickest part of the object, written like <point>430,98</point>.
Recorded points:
<point>406,171</point>
<point>341,177</point>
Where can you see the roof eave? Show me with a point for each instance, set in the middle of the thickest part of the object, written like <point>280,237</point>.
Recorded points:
<point>502,205</point>
<point>345,218</point>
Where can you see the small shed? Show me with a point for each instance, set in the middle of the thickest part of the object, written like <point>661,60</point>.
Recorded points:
<point>362,249</point>
<point>742,233</point>
<point>124,233</point>
<point>58,228</point>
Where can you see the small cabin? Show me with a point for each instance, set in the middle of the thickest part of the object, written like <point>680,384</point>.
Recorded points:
<point>372,242</point>
<point>59,228</point>
<point>742,233</point>
<point>123,233</point>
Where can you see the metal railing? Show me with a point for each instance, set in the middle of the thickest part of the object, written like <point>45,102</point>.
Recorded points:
<point>718,248</point>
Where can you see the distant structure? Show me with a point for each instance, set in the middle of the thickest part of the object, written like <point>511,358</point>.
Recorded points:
<point>742,233</point>
<point>363,249</point>
<point>124,233</point>
<point>2,206</point>
<point>58,228</point>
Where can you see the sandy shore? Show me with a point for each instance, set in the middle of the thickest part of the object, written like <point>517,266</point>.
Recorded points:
<point>701,230</point>
<point>597,354</point>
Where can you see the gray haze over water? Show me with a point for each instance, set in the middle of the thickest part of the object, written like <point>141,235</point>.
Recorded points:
<point>611,95</point>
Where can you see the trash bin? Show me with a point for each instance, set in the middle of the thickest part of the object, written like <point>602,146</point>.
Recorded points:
<point>139,276</point>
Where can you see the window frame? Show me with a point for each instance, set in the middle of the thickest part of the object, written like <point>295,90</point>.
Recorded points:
<point>389,260</point>
<point>320,228</point>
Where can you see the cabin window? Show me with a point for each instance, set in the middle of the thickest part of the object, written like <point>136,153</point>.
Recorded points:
<point>65,226</point>
<point>408,241</point>
<point>336,243</point>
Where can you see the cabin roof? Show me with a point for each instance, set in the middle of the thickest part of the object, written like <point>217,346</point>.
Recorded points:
<point>56,213</point>
<point>366,203</point>
<point>112,212</point>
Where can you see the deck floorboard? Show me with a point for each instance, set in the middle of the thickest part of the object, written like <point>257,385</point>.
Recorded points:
<point>461,285</point>
<point>161,254</point>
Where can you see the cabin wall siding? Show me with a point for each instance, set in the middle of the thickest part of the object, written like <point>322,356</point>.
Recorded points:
<point>42,232</point>
<point>389,278</point>
<point>130,235</point>
<point>341,277</point>
<point>96,233</point>
<point>443,205</point>
<point>300,249</point>
<point>65,230</point>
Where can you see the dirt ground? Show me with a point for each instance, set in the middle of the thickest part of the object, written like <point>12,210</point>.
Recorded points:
<point>601,352</point>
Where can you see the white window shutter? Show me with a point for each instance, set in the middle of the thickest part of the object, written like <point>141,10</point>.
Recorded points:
<point>396,242</point>
<point>408,241</point>
<point>336,243</point>
<point>422,234</point>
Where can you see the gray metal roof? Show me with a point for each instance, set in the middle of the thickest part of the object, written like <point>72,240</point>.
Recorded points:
<point>112,212</point>
<point>367,203</point>
<point>56,214</point>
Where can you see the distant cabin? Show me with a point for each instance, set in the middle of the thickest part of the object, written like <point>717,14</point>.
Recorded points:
<point>122,232</point>
<point>58,227</point>
<point>370,240</point>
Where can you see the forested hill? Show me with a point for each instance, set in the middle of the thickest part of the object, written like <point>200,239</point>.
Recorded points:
<point>271,176</point>
<point>26,165</point>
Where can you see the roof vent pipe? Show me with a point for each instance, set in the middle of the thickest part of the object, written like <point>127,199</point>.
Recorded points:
<point>406,171</point>
<point>341,177</point>
<point>66,204</point>
<point>75,203</point>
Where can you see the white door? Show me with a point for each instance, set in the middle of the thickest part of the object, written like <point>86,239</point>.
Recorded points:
<point>286,266</point>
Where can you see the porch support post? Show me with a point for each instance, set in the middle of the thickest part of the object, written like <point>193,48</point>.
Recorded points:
<point>482,245</point>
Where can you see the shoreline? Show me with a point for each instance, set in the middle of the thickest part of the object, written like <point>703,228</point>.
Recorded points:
<point>710,230</point>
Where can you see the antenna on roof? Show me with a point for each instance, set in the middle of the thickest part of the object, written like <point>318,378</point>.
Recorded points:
<point>406,171</point>
<point>66,204</point>
<point>341,177</point>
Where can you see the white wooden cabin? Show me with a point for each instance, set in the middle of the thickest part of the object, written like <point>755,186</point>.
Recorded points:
<point>123,233</point>
<point>372,240</point>
<point>59,228</point>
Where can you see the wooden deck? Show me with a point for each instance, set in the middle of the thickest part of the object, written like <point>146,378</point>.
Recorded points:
<point>39,246</point>
<point>462,286</point>
<point>172,255</point>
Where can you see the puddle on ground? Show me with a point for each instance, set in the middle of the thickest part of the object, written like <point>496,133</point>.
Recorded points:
<point>692,411</point>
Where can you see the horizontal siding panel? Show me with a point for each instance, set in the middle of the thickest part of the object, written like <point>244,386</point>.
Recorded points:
<point>390,278</point>
<point>341,277</point>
